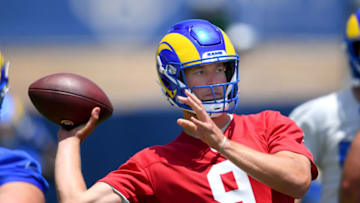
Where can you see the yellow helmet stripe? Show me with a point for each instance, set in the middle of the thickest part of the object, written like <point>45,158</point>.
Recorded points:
<point>228,45</point>
<point>352,30</point>
<point>2,60</point>
<point>161,47</point>
<point>182,46</point>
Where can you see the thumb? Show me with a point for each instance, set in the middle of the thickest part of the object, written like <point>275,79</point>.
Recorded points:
<point>94,118</point>
<point>92,122</point>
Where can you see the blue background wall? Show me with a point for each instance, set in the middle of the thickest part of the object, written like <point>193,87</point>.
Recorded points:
<point>75,21</point>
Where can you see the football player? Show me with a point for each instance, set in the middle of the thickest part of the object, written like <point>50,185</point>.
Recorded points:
<point>330,122</point>
<point>20,175</point>
<point>218,157</point>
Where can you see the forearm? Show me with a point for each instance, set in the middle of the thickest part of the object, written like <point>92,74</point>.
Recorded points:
<point>29,193</point>
<point>282,173</point>
<point>350,185</point>
<point>349,196</point>
<point>68,176</point>
<point>350,182</point>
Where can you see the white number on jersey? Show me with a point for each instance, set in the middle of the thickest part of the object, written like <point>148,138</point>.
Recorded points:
<point>243,193</point>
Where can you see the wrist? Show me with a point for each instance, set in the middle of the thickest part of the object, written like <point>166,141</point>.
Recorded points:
<point>68,138</point>
<point>224,144</point>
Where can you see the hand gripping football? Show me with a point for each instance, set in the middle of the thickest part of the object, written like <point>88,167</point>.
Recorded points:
<point>67,99</point>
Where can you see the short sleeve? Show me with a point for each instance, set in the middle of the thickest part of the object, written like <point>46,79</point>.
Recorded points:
<point>306,119</point>
<point>131,180</point>
<point>284,135</point>
<point>18,166</point>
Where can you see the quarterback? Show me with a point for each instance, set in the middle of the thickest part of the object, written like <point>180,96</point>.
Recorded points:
<point>218,157</point>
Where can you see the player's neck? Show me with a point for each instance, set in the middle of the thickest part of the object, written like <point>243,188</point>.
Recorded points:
<point>222,121</point>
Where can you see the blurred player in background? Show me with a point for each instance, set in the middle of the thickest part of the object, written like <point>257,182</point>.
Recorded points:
<point>20,174</point>
<point>218,157</point>
<point>330,122</point>
<point>18,130</point>
<point>350,183</point>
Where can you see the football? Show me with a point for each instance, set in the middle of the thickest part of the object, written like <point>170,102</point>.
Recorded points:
<point>67,99</point>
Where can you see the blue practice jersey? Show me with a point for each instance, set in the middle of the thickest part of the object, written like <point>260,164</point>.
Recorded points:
<point>18,166</point>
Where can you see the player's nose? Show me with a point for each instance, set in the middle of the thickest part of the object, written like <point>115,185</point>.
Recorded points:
<point>213,78</point>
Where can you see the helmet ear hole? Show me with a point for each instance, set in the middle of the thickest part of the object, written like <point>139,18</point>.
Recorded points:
<point>230,69</point>
<point>182,77</point>
<point>356,48</point>
<point>233,93</point>
<point>166,83</point>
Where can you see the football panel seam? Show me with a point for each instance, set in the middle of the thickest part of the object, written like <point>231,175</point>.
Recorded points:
<point>70,93</point>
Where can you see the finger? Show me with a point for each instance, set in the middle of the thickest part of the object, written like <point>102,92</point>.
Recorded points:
<point>195,104</point>
<point>81,131</point>
<point>182,99</point>
<point>190,102</point>
<point>194,97</point>
<point>64,133</point>
<point>186,124</point>
<point>198,108</point>
<point>199,123</point>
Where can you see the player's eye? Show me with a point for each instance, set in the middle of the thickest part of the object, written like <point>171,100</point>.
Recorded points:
<point>221,69</point>
<point>199,72</point>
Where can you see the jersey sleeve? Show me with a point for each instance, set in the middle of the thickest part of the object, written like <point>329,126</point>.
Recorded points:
<point>285,135</point>
<point>307,119</point>
<point>131,180</point>
<point>18,166</point>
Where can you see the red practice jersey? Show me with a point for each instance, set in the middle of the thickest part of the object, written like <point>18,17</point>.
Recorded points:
<point>187,170</point>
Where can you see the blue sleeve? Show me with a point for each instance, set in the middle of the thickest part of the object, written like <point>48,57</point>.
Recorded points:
<point>18,166</point>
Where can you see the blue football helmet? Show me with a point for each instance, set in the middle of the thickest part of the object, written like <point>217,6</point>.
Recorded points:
<point>192,43</point>
<point>4,80</point>
<point>352,40</point>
